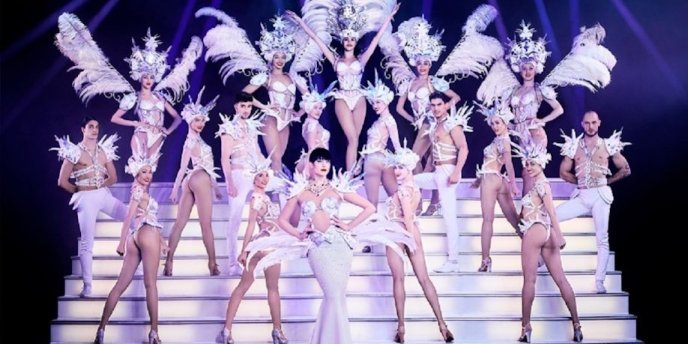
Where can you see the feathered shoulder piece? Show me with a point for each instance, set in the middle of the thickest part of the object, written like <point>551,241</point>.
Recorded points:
<point>589,63</point>
<point>475,52</point>
<point>97,75</point>
<point>346,181</point>
<point>293,188</point>
<point>67,150</point>
<point>459,117</point>
<point>234,129</point>
<point>107,144</point>
<point>229,41</point>
<point>570,144</point>
<point>614,144</point>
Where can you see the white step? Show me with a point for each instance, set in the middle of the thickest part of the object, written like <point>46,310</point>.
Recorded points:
<point>360,282</point>
<point>464,207</point>
<point>427,224</point>
<point>359,305</point>
<point>196,265</point>
<point>479,329</point>
<point>432,243</point>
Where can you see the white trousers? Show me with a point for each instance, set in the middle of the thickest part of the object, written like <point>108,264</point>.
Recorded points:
<point>597,201</point>
<point>244,187</point>
<point>438,180</point>
<point>87,205</point>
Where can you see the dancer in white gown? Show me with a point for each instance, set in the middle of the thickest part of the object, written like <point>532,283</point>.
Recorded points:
<point>330,241</point>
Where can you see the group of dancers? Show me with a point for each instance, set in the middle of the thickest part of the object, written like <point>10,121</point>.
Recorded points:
<point>303,220</point>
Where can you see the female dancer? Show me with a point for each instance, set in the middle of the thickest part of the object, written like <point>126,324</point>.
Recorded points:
<point>330,244</point>
<point>540,230</point>
<point>262,213</point>
<point>277,47</point>
<point>148,66</point>
<point>313,132</point>
<point>352,21</point>
<point>494,186</point>
<point>588,64</point>
<point>400,213</point>
<point>197,184</point>
<point>143,244</point>
<point>382,130</point>
<point>470,57</point>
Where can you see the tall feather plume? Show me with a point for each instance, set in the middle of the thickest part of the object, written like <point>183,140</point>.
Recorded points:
<point>475,51</point>
<point>376,12</point>
<point>176,83</point>
<point>309,55</point>
<point>228,41</point>
<point>498,83</point>
<point>394,64</point>
<point>589,63</point>
<point>97,75</point>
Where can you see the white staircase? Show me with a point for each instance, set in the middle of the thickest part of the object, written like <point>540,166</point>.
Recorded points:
<point>478,307</point>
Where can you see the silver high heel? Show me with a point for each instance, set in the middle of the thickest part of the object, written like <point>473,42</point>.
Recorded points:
<point>100,336</point>
<point>153,338</point>
<point>225,337</point>
<point>486,265</point>
<point>577,333</point>
<point>278,337</point>
<point>526,334</point>
<point>433,209</point>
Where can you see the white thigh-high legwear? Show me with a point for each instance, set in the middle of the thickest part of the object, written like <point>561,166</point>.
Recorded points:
<point>236,206</point>
<point>439,180</point>
<point>87,205</point>
<point>331,265</point>
<point>598,201</point>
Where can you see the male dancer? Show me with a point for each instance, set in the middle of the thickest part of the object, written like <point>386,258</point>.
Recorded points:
<point>590,158</point>
<point>449,152</point>
<point>89,163</point>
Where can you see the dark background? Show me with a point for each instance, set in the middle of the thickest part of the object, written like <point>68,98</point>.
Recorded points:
<point>647,97</point>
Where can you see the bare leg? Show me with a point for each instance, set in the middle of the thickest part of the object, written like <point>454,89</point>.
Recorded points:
<point>346,121</point>
<point>240,290</point>
<point>186,202</point>
<point>552,255</point>
<point>132,257</point>
<point>271,141</point>
<point>359,115</point>
<point>155,147</point>
<point>489,188</point>
<point>396,265</point>
<point>148,240</point>
<point>389,181</point>
<point>506,203</point>
<point>202,189</point>
<point>372,179</point>
<point>531,246</point>
<point>272,275</point>
<point>138,144</point>
<point>283,136</point>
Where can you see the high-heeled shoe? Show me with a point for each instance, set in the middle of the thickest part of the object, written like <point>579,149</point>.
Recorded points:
<point>526,333</point>
<point>433,209</point>
<point>100,336</point>
<point>278,337</point>
<point>577,333</point>
<point>486,265</point>
<point>214,269</point>
<point>168,268</point>
<point>153,338</point>
<point>446,334</point>
<point>225,337</point>
<point>399,337</point>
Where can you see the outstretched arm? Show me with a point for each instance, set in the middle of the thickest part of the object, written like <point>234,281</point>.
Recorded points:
<point>329,55</point>
<point>373,44</point>
<point>624,169</point>
<point>565,171</point>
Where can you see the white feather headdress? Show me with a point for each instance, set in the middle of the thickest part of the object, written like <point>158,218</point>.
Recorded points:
<point>503,112</point>
<point>378,91</point>
<point>257,164</point>
<point>529,150</point>
<point>148,61</point>
<point>526,50</point>
<point>414,35</point>
<point>278,40</point>
<point>313,97</point>
<point>194,109</point>
<point>137,162</point>
<point>402,157</point>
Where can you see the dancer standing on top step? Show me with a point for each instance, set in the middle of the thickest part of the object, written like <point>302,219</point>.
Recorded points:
<point>589,156</point>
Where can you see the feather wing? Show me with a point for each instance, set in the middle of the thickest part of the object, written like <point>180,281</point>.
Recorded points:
<point>176,83</point>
